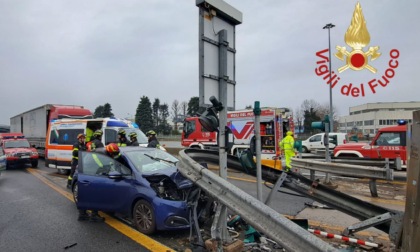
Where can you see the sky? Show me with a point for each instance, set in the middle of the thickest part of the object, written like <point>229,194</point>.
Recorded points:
<point>94,52</point>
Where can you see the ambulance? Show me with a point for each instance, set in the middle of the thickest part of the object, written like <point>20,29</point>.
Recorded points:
<point>62,134</point>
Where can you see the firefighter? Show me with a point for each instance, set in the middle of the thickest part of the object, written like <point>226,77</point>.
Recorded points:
<point>113,151</point>
<point>97,140</point>
<point>153,142</point>
<point>133,139</point>
<point>286,146</point>
<point>79,145</point>
<point>122,139</point>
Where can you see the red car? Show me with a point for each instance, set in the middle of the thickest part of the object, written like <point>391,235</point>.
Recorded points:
<point>389,142</point>
<point>18,150</point>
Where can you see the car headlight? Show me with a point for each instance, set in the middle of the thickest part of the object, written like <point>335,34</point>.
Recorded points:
<point>11,155</point>
<point>34,153</point>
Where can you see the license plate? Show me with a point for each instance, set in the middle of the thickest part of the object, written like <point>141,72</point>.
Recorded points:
<point>24,157</point>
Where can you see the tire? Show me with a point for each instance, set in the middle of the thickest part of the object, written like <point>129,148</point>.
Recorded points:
<point>304,149</point>
<point>34,163</point>
<point>144,217</point>
<point>75,191</point>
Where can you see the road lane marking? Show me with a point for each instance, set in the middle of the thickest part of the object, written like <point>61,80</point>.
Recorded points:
<point>133,234</point>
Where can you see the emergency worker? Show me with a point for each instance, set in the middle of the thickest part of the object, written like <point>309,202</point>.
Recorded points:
<point>133,139</point>
<point>122,139</point>
<point>152,140</point>
<point>113,151</point>
<point>79,145</point>
<point>286,145</point>
<point>97,140</point>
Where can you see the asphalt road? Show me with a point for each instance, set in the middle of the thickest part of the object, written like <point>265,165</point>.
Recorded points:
<point>34,217</point>
<point>38,215</point>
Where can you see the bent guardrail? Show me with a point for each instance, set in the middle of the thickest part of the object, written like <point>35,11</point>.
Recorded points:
<point>286,233</point>
<point>349,170</point>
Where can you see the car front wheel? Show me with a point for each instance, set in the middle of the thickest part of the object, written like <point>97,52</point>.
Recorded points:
<point>304,149</point>
<point>144,217</point>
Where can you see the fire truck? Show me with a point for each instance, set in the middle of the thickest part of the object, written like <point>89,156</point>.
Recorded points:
<point>389,142</point>
<point>274,123</point>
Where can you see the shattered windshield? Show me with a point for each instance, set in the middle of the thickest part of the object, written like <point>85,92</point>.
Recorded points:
<point>151,160</point>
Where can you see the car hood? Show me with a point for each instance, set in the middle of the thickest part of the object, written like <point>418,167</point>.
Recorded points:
<point>174,175</point>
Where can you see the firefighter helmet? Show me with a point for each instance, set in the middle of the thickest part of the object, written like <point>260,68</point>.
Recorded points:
<point>112,149</point>
<point>132,135</point>
<point>150,132</point>
<point>98,133</point>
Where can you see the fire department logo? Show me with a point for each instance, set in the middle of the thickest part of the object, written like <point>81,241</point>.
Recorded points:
<point>357,37</point>
<point>357,59</point>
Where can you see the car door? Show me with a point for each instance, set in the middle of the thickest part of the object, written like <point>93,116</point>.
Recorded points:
<point>2,160</point>
<point>389,145</point>
<point>97,190</point>
<point>316,142</point>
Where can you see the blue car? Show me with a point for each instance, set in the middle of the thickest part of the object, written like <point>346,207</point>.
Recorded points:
<point>145,186</point>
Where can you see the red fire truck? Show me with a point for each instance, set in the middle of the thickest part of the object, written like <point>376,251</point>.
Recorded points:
<point>389,142</point>
<point>274,122</point>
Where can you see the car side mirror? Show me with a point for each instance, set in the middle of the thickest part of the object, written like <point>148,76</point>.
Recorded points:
<point>115,175</point>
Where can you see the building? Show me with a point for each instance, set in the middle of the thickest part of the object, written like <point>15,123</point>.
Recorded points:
<point>368,118</point>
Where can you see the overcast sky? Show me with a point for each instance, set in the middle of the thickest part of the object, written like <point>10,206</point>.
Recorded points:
<point>93,52</point>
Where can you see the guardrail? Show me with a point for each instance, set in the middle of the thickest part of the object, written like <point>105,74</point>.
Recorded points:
<point>348,170</point>
<point>285,232</point>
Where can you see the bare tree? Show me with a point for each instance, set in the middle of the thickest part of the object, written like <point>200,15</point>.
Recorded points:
<point>299,116</point>
<point>175,112</point>
<point>184,108</point>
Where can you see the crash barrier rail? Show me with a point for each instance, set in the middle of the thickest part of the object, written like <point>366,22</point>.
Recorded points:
<point>370,215</point>
<point>349,170</point>
<point>277,227</point>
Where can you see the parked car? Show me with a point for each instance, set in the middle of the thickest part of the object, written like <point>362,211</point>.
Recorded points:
<point>316,142</point>
<point>146,188</point>
<point>2,160</point>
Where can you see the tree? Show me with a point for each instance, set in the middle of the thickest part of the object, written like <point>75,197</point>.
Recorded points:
<point>103,111</point>
<point>184,108</point>
<point>298,116</point>
<point>310,116</point>
<point>155,112</point>
<point>143,116</point>
<point>164,126</point>
<point>98,111</point>
<point>194,106</point>
<point>107,110</point>
<point>175,112</point>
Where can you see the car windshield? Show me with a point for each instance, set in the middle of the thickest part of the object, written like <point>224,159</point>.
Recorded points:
<point>141,137</point>
<point>16,144</point>
<point>150,160</point>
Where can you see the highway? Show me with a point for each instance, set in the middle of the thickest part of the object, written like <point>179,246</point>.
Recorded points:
<point>47,188</point>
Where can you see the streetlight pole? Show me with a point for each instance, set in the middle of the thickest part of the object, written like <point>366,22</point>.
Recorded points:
<point>329,26</point>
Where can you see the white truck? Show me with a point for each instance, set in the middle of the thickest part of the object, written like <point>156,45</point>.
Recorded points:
<point>34,123</point>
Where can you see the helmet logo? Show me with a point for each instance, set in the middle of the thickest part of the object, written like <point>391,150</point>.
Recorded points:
<point>357,37</point>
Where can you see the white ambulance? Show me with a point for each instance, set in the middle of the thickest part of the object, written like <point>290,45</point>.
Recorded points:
<point>62,134</point>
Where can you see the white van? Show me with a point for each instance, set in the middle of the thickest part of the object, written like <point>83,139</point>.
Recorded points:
<point>62,134</point>
<point>316,142</point>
